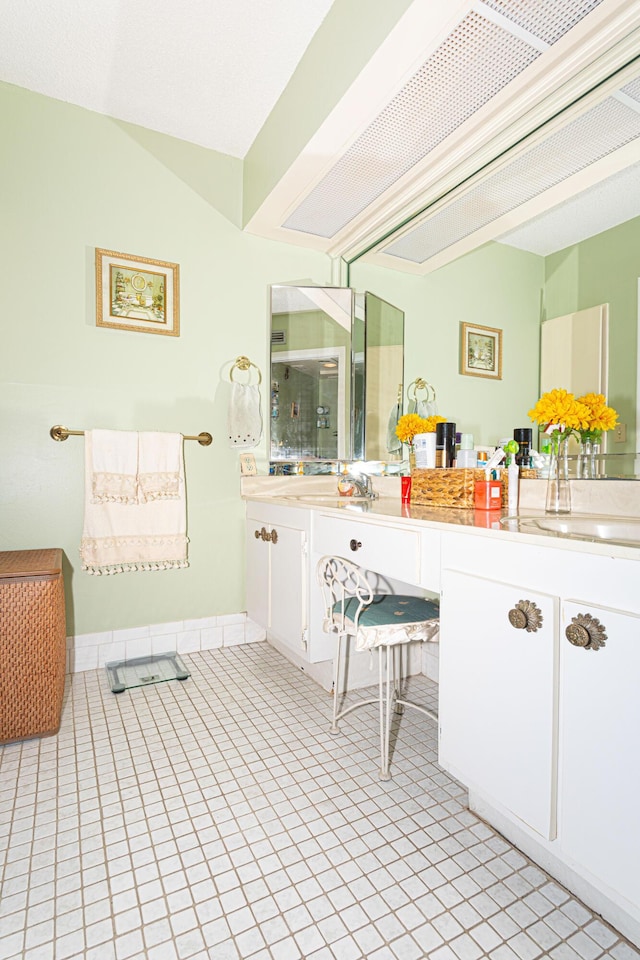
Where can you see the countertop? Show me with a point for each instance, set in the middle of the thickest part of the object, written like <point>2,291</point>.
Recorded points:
<point>312,493</point>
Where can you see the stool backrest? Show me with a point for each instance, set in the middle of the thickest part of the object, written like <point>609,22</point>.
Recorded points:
<point>340,581</point>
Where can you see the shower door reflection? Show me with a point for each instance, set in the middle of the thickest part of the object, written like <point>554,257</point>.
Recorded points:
<point>308,404</point>
<point>310,372</point>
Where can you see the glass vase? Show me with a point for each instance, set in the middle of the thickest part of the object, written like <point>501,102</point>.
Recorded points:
<point>558,488</point>
<point>585,460</point>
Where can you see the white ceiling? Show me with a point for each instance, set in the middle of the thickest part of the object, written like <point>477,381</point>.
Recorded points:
<point>205,71</point>
<point>210,71</point>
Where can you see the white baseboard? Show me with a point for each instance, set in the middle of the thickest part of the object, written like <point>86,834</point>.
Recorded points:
<point>89,651</point>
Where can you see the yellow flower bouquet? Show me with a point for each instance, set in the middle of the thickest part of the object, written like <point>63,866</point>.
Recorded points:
<point>601,417</point>
<point>411,424</point>
<point>560,414</point>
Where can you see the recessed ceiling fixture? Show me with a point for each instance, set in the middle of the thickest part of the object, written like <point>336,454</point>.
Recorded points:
<point>493,43</point>
<point>596,133</point>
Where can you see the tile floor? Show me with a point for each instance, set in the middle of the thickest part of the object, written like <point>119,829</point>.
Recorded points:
<point>217,818</point>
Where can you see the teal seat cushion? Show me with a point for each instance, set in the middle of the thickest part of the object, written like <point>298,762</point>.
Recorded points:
<point>389,609</point>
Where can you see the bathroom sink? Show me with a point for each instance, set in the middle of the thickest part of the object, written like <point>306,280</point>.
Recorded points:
<point>621,530</point>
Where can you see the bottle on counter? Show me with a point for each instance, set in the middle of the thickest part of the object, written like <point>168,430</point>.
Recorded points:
<point>445,444</point>
<point>524,438</point>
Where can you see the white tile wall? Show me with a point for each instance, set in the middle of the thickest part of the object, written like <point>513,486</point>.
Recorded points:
<point>88,651</point>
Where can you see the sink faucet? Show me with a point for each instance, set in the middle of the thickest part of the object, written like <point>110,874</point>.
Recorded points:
<point>364,486</point>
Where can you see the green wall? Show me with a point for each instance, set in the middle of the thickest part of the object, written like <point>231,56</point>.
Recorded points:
<point>495,286</point>
<point>71,181</point>
<point>604,269</point>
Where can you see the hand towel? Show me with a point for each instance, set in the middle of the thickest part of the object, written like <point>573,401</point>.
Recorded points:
<point>114,466</point>
<point>245,419</point>
<point>121,537</point>
<point>159,466</point>
<point>394,444</point>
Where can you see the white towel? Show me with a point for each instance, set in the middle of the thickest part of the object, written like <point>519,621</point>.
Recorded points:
<point>245,419</point>
<point>114,466</point>
<point>394,444</point>
<point>159,456</point>
<point>121,537</point>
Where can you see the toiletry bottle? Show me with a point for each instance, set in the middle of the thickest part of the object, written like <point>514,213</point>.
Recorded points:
<point>445,444</point>
<point>524,437</point>
<point>513,475</point>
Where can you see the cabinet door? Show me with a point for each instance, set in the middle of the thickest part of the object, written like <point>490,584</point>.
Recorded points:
<point>599,768</point>
<point>288,617</point>
<point>498,703</point>
<point>257,574</point>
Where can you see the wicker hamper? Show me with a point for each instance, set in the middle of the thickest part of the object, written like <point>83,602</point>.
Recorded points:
<point>32,643</point>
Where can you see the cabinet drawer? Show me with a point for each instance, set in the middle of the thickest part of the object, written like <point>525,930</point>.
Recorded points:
<point>386,550</point>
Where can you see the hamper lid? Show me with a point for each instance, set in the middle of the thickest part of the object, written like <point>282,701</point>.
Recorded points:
<point>30,563</point>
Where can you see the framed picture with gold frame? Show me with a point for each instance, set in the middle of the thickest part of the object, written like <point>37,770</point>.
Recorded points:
<point>137,293</point>
<point>480,351</point>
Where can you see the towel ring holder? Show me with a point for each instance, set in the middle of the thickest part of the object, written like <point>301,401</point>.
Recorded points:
<point>418,385</point>
<point>243,363</point>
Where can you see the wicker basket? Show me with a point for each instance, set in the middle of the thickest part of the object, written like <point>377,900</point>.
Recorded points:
<point>451,487</point>
<point>32,643</point>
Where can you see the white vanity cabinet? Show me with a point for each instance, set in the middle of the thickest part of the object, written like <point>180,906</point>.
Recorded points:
<point>599,762</point>
<point>541,730</point>
<point>497,693</point>
<point>277,572</point>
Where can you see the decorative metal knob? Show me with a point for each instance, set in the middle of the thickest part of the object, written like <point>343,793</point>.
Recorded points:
<point>355,545</point>
<point>526,616</point>
<point>586,631</point>
<point>264,535</point>
<point>274,536</point>
<point>256,534</point>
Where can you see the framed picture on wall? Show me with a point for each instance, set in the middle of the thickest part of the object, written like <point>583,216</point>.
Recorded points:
<point>137,293</point>
<point>480,351</point>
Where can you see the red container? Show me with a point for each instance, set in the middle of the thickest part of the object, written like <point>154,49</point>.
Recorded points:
<point>405,487</point>
<point>487,495</point>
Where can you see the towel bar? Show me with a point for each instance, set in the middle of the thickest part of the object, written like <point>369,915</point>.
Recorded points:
<point>61,433</point>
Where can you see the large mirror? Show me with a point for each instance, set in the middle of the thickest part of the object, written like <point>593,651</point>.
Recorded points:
<point>549,229</point>
<point>378,378</point>
<point>336,372</point>
<point>310,405</point>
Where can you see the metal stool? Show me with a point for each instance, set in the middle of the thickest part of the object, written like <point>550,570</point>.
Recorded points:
<point>375,621</point>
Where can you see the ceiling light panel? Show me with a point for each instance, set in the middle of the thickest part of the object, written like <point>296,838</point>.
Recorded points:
<point>547,19</point>
<point>632,89</point>
<point>476,61</point>
<point>594,135</point>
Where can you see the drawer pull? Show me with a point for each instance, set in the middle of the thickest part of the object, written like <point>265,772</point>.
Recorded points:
<point>257,534</point>
<point>355,545</point>
<point>264,535</point>
<point>586,631</point>
<point>274,536</point>
<point>526,616</point>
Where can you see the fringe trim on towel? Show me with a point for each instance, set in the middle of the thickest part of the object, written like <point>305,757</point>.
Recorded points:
<point>109,570</point>
<point>158,486</point>
<point>125,554</point>
<point>114,488</point>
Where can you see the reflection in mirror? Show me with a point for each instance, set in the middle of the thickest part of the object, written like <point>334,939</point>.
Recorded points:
<point>383,378</point>
<point>310,372</point>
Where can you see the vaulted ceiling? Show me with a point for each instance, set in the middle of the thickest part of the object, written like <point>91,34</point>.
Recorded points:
<point>466,120</point>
